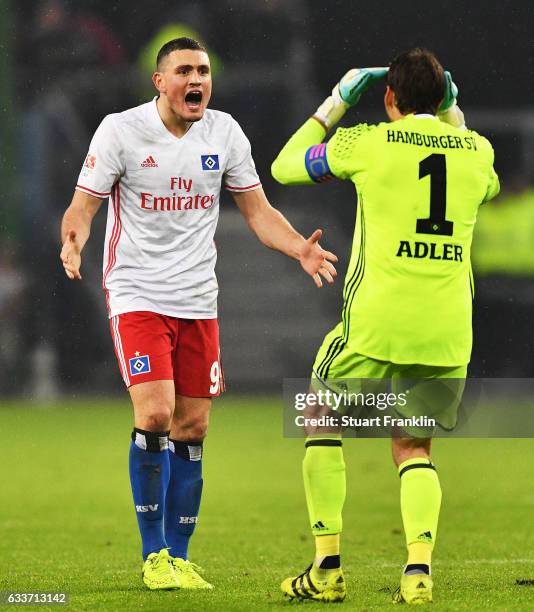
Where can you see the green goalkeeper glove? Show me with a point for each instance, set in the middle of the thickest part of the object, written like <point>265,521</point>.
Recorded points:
<point>449,111</point>
<point>451,93</point>
<point>347,93</point>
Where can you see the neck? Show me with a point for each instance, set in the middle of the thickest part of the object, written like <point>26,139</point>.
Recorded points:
<point>175,124</point>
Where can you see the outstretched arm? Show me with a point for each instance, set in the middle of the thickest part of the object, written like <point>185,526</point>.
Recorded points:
<point>275,232</point>
<point>75,230</point>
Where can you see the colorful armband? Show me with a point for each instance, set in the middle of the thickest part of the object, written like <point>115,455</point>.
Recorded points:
<point>317,164</point>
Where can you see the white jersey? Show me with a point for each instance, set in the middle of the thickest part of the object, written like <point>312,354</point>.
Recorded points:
<point>164,193</point>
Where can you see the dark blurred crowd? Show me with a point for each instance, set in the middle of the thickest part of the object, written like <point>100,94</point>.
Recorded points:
<point>69,63</point>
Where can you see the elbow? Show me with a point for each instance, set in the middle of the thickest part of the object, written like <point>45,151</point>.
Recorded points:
<point>277,171</point>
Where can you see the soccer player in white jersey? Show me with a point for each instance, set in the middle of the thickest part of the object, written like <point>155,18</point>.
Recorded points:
<point>163,164</point>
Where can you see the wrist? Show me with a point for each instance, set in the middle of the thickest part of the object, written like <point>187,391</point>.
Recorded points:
<point>331,110</point>
<point>297,247</point>
<point>453,116</point>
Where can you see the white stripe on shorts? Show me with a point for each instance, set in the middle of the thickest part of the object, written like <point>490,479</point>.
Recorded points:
<point>118,347</point>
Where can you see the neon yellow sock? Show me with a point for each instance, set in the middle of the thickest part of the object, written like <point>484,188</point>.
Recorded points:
<point>420,496</point>
<point>326,545</point>
<point>419,553</point>
<point>323,470</point>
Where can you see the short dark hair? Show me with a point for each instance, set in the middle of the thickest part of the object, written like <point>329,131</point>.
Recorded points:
<point>418,81</point>
<point>177,44</point>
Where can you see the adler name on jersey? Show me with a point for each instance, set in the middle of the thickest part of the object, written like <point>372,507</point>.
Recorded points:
<point>422,250</point>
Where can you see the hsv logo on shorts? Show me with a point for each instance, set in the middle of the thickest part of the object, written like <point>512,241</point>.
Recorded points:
<point>210,163</point>
<point>139,365</point>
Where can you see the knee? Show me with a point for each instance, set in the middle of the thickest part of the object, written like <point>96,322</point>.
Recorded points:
<point>157,419</point>
<point>190,430</point>
<point>404,449</point>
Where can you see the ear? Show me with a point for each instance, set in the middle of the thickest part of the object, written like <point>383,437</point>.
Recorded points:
<point>389,98</point>
<point>159,81</point>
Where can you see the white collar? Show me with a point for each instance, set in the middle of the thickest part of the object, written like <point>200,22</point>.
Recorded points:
<point>424,116</point>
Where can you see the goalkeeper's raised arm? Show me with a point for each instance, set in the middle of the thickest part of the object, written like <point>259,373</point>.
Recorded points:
<point>296,164</point>
<point>303,159</point>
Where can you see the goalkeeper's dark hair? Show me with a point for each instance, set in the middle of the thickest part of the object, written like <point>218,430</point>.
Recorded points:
<point>177,44</point>
<point>418,81</point>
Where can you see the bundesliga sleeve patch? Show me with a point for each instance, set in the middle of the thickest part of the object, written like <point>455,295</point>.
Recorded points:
<point>139,365</point>
<point>210,163</point>
<point>317,164</point>
<point>90,161</point>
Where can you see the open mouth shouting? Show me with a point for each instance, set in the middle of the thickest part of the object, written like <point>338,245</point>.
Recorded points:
<point>193,100</point>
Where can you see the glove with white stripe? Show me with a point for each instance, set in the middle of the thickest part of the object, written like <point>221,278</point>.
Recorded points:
<point>346,93</point>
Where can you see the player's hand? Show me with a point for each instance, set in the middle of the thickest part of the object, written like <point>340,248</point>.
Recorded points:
<point>70,256</point>
<point>451,93</point>
<point>316,261</point>
<point>449,111</point>
<point>346,93</point>
<point>356,81</point>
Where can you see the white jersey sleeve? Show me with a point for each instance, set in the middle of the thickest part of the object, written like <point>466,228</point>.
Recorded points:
<point>103,165</point>
<point>240,173</point>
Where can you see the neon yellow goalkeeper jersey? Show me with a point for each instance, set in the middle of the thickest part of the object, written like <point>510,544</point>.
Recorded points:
<point>409,287</point>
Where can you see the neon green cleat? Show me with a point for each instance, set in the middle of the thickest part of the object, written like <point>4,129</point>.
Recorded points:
<point>188,575</point>
<point>415,589</point>
<point>304,587</point>
<point>158,571</point>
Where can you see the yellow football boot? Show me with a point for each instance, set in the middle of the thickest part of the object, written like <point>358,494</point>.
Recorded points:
<point>329,590</point>
<point>158,571</point>
<point>188,575</point>
<point>414,589</point>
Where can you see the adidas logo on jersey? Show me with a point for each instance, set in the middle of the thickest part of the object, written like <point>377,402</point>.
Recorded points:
<point>149,162</point>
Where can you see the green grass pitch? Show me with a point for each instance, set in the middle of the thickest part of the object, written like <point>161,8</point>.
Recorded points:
<point>67,522</point>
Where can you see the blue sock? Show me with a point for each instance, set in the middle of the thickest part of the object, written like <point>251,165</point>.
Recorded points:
<point>183,495</point>
<point>149,477</point>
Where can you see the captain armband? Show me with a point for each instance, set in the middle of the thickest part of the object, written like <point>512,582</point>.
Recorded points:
<point>317,164</point>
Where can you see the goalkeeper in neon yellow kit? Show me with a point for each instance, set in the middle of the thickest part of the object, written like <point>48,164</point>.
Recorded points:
<point>407,296</point>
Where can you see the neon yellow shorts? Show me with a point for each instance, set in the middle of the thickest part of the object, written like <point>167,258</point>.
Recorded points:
<point>418,391</point>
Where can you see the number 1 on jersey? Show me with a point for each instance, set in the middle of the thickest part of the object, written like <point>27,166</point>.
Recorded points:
<point>435,166</point>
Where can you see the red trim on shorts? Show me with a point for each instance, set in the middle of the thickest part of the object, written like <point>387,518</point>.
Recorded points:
<point>115,236</point>
<point>222,381</point>
<point>93,192</point>
<point>231,188</point>
<point>117,342</point>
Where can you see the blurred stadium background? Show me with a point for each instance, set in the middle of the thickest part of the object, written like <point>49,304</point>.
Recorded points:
<point>65,64</point>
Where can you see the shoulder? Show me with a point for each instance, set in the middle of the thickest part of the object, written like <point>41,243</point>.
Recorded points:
<point>131,118</point>
<point>482,142</point>
<point>345,139</point>
<point>216,120</point>
<point>127,120</point>
<point>222,128</point>
<point>356,131</point>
